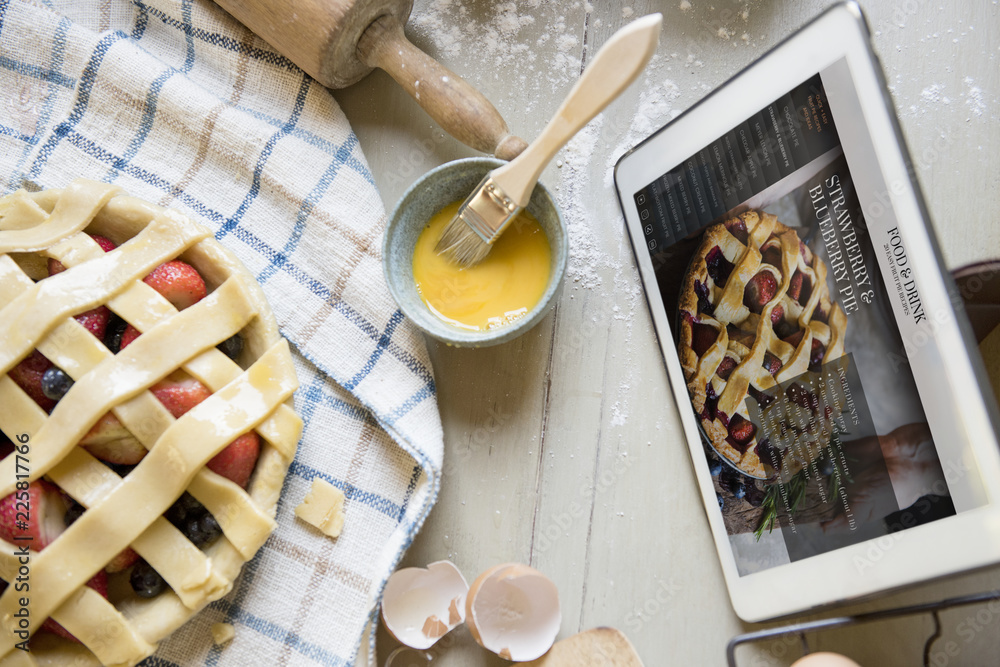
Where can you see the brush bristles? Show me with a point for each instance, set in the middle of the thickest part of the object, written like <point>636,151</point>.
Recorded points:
<point>461,244</point>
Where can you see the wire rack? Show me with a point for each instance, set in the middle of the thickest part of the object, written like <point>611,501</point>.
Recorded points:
<point>802,629</point>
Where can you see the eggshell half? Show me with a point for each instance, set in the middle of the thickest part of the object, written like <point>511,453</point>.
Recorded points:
<point>419,606</point>
<point>513,610</point>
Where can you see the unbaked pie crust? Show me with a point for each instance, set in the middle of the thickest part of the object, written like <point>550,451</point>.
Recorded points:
<point>252,394</point>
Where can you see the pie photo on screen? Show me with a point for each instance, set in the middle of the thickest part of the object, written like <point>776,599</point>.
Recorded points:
<point>796,371</point>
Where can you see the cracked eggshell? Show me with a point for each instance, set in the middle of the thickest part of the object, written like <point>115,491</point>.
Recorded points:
<point>513,610</point>
<point>419,606</point>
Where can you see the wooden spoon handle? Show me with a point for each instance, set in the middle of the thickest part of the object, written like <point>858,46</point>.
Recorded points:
<point>616,65</point>
<point>460,109</point>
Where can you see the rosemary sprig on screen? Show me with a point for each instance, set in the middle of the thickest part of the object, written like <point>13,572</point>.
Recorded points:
<point>796,487</point>
<point>796,494</point>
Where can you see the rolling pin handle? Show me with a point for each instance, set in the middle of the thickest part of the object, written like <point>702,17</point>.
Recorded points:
<point>510,147</point>
<point>460,109</point>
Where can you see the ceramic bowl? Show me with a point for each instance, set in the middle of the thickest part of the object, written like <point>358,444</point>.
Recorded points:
<point>451,182</point>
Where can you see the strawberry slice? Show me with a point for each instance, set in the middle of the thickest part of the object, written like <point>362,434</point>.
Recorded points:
<point>178,282</point>
<point>42,522</point>
<point>726,367</point>
<point>237,461</point>
<point>741,430</point>
<point>759,291</point>
<point>772,364</point>
<point>95,320</point>
<point>179,392</point>
<point>110,441</point>
<point>28,376</point>
<point>795,285</point>
<point>99,582</point>
<point>129,335</point>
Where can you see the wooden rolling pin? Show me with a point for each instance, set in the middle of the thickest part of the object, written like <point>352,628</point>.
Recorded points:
<point>338,42</point>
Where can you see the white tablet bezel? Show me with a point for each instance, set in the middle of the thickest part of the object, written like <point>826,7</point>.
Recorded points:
<point>971,538</point>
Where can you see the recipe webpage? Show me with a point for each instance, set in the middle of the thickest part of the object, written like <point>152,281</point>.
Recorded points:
<point>782,312</point>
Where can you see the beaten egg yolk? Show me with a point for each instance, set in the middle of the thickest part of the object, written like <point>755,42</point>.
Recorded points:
<point>499,290</point>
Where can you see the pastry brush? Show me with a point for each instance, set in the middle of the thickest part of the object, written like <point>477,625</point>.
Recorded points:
<point>496,201</point>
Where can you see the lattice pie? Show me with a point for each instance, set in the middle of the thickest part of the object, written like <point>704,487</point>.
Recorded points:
<point>146,393</point>
<point>755,311</point>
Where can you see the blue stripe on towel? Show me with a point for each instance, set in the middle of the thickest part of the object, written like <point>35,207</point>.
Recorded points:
<point>410,488</point>
<point>215,39</point>
<point>84,91</point>
<point>306,208</point>
<point>49,75</point>
<point>300,100</point>
<point>236,614</point>
<point>16,134</point>
<point>152,98</point>
<point>351,492</point>
<point>383,343</point>
<point>57,58</point>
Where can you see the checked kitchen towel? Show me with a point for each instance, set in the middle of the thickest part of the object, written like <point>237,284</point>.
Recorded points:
<point>182,106</point>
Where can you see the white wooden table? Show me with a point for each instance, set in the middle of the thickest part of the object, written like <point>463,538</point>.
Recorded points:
<point>562,448</point>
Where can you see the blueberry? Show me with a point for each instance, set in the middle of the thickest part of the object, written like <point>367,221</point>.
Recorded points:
<point>740,491</point>
<point>201,529</point>
<point>146,582</point>
<point>728,480</point>
<point>715,468</point>
<point>73,513</point>
<point>232,346</point>
<point>184,509</point>
<point>192,531</point>
<point>113,333</point>
<point>55,383</point>
<point>210,527</point>
<point>721,501</point>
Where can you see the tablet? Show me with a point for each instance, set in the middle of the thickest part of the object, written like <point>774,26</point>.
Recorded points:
<point>842,429</point>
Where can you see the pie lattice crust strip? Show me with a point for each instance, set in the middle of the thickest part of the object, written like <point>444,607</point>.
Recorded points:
<point>121,512</point>
<point>734,342</point>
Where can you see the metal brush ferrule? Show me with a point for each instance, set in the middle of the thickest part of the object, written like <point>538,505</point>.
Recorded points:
<point>489,210</point>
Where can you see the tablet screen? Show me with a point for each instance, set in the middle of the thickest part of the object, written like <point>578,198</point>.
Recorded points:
<point>790,294</point>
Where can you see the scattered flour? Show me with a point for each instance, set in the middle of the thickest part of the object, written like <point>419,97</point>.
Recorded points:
<point>619,415</point>
<point>933,94</point>
<point>974,97</point>
<point>503,36</point>
<point>654,109</point>
<point>585,255</point>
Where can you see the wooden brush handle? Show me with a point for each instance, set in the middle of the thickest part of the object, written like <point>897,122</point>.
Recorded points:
<point>616,65</point>
<point>460,109</point>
